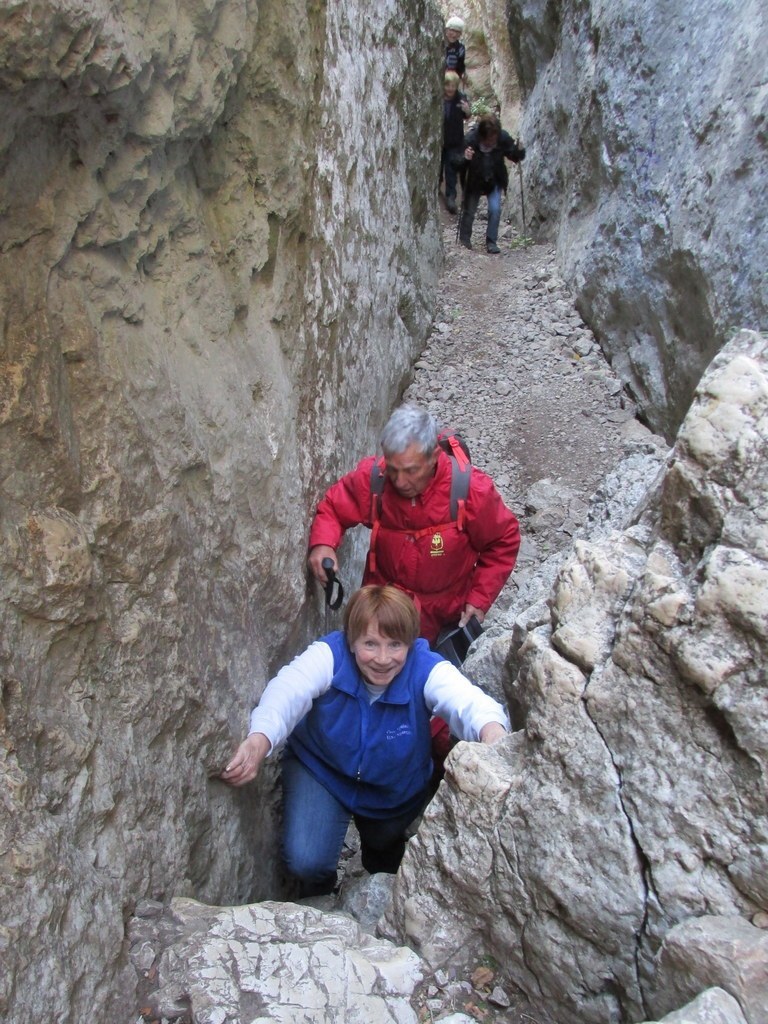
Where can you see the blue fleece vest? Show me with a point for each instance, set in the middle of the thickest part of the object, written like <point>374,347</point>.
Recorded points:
<point>374,758</point>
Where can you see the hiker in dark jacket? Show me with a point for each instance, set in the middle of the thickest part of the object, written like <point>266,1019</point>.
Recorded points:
<point>355,711</point>
<point>485,173</point>
<point>455,113</point>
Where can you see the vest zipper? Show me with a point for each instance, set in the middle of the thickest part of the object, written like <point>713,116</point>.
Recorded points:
<point>364,721</point>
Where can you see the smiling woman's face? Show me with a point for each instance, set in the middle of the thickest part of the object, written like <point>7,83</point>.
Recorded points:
<point>378,657</point>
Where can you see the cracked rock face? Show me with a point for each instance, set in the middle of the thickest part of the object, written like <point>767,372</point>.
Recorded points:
<point>646,135</point>
<point>217,257</point>
<point>634,796</point>
<point>277,961</point>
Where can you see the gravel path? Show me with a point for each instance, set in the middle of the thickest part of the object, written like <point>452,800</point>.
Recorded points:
<point>511,365</point>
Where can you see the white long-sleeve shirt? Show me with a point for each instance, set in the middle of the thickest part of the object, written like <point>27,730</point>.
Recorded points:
<point>290,694</point>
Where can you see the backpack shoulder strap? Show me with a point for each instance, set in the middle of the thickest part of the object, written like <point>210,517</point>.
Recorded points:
<point>378,479</point>
<point>459,490</point>
<point>461,474</point>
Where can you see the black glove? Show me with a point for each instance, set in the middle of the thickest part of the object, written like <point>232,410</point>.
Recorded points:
<point>518,154</point>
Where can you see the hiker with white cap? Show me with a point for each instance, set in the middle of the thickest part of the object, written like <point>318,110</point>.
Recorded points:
<point>455,53</point>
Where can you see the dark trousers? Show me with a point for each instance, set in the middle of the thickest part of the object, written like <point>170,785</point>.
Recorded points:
<point>449,172</point>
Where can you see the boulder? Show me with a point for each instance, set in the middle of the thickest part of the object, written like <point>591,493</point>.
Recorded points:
<point>274,961</point>
<point>632,796</point>
<point>713,1006</point>
<point>728,952</point>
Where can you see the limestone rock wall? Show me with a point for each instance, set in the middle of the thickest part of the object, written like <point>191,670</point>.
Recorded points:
<point>646,128</point>
<point>632,799</point>
<point>217,253</point>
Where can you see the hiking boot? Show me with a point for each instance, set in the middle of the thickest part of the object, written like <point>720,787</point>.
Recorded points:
<point>466,243</point>
<point>450,204</point>
<point>492,248</point>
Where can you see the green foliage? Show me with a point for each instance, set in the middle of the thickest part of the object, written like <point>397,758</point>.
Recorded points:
<point>481,106</point>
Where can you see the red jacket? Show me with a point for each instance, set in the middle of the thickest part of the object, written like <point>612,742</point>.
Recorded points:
<point>443,569</point>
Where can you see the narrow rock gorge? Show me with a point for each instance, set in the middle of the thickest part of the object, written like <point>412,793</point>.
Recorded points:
<point>219,255</point>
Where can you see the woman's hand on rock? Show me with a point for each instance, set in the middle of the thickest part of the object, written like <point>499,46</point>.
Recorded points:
<point>247,759</point>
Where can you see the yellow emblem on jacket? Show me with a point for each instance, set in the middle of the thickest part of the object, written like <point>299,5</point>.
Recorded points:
<point>436,548</point>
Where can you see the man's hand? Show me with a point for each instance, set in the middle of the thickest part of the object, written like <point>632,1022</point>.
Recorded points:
<point>469,153</point>
<point>469,611</point>
<point>247,759</point>
<point>492,732</point>
<point>315,561</point>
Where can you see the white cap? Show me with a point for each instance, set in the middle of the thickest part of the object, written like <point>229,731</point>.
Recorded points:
<point>456,23</point>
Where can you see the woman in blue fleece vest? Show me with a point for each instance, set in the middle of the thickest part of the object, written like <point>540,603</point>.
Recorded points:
<point>354,711</point>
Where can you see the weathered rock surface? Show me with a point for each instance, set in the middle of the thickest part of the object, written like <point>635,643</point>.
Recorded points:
<point>646,129</point>
<point>713,1006</point>
<point>634,795</point>
<point>217,257</point>
<point>287,962</point>
<point>275,961</point>
<point>725,951</point>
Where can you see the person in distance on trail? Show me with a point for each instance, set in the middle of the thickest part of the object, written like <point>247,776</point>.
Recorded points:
<point>455,113</point>
<point>455,53</point>
<point>452,560</point>
<point>355,710</point>
<point>485,174</point>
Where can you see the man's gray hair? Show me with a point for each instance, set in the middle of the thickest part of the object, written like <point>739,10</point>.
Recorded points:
<point>406,426</point>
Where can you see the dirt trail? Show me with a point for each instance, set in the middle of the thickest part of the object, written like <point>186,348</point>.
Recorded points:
<point>512,366</point>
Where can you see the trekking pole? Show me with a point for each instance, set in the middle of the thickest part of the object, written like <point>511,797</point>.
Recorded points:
<point>522,199</point>
<point>332,601</point>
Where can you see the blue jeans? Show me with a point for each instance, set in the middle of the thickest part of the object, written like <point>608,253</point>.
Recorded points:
<point>471,200</point>
<point>314,826</point>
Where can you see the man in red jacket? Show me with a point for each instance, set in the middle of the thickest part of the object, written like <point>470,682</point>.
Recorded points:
<point>453,566</point>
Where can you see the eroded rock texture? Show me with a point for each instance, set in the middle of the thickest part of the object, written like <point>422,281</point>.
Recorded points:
<point>276,961</point>
<point>647,135</point>
<point>217,251</point>
<point>634,797</point>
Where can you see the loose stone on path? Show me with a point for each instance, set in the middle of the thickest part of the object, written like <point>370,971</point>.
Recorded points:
<point>512,366</point>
